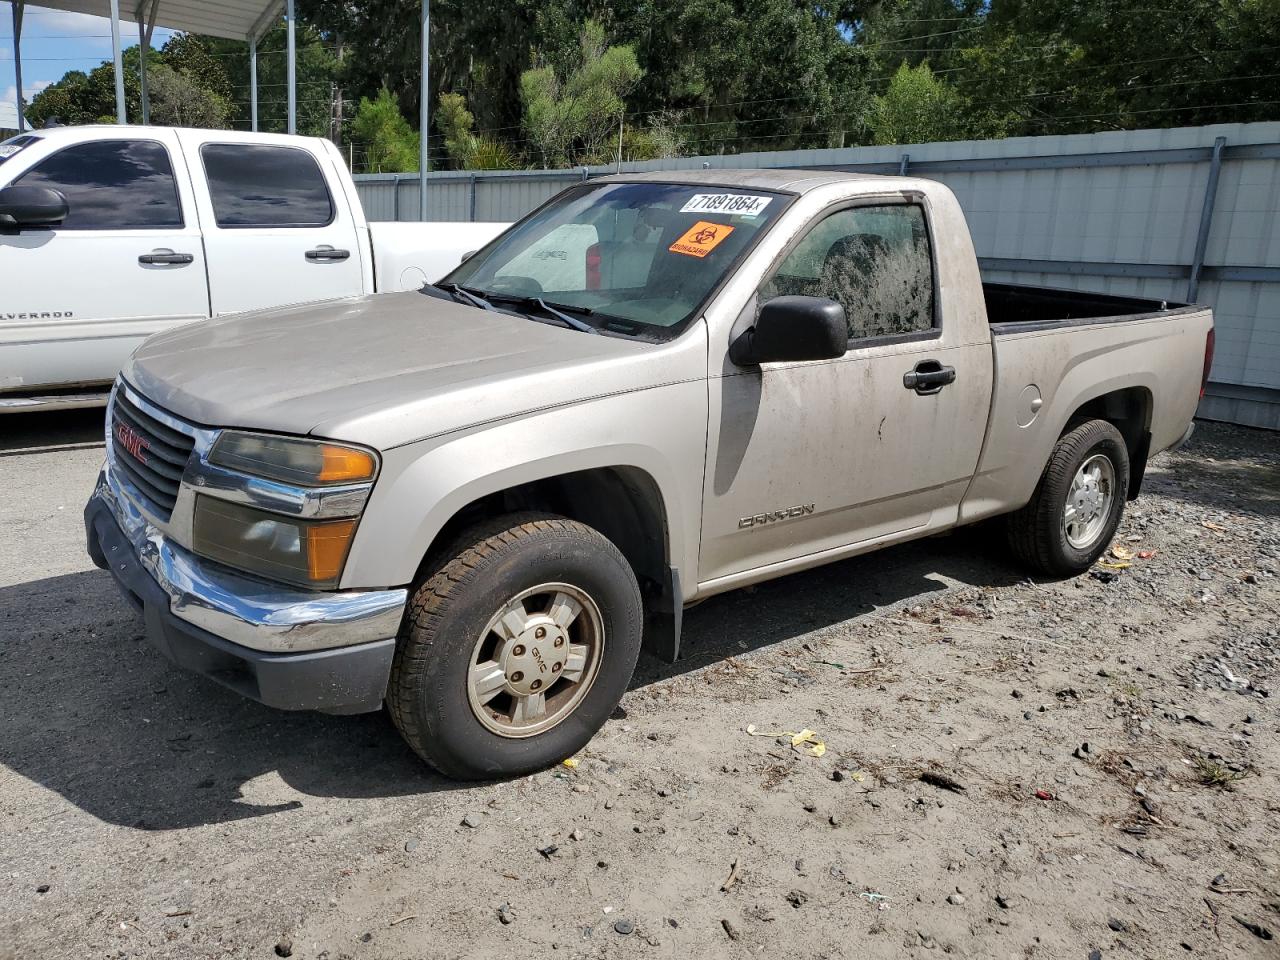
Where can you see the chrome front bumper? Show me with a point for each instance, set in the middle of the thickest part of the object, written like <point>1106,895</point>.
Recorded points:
<point>243,610</point>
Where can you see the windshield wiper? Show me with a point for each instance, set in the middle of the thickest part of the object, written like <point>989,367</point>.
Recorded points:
<point>461,292</point>
<point>557,310</point>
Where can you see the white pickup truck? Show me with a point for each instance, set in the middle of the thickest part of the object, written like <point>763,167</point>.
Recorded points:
<point>109,234</point>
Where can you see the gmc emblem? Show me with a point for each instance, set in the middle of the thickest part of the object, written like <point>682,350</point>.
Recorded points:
<point>134,442</point>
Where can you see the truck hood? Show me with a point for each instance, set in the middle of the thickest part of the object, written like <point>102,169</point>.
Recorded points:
<point>383,370</point>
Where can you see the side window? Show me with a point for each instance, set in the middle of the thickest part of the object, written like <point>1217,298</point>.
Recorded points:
<point>255,185</point>
<point>875,262</point>
<point>112,185</point>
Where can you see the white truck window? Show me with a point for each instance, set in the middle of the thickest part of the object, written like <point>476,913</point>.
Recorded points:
<point>256,185</point>
<point>112,185</point>
<point>874,261</point>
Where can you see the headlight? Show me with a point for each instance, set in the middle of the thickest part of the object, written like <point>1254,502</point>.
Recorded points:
<point>310,463</point>
<point>309,553</point>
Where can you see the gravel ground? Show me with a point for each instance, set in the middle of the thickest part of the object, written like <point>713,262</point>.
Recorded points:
<point>1076,769</point>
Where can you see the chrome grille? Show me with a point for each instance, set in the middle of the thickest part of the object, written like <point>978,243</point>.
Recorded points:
<point>149,455</point>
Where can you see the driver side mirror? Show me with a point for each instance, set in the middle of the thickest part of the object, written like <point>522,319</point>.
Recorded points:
<point>29,206</point>
<point>793,328</point>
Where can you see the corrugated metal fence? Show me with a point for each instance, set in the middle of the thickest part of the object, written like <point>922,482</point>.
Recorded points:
<point>1187,213</point>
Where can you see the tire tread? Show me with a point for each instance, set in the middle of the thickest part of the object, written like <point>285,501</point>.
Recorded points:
<point>466,556</point>
<point>1029,529</point>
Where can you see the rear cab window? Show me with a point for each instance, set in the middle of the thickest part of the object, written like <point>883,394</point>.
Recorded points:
<point>640,257</point>
<point>265,185</point>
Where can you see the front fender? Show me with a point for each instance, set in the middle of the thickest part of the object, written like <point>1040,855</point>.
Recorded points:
<point>661,431</point>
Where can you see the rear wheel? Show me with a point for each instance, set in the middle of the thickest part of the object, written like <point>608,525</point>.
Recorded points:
<point>1078,503</point>
<point>517,647</point>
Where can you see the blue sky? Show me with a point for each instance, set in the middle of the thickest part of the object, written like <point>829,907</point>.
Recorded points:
<point>54,42</point>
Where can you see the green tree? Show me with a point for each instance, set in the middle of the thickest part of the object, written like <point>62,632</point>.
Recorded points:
<point>917,108</point>
<point>178,101</point>
<point>390,144</point>
<point>466,150</point>
<point>570,118</point>
<point>318,74</point>
<point>455,122</point>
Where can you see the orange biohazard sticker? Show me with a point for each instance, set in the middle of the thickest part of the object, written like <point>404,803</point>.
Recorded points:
<point>701,239</point>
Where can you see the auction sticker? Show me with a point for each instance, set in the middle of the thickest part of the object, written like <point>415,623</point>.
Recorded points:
<point>701,239</point>
<point>740,205</point>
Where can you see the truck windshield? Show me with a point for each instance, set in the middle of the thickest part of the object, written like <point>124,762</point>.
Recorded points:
<point>635,259</point>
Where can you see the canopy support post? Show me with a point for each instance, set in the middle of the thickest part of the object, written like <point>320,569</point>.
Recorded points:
<point>424,111</point>
<point>293,70</point>
<point>146,27</point>
<point>253,84</point>
<point>17,60</point>
<point>117,57</point>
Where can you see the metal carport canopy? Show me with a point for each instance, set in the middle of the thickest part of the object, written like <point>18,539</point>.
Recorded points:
<point>230,19</point>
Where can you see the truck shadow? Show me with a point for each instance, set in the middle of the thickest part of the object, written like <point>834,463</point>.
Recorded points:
<point>93,714</point>
<point>51,431</point>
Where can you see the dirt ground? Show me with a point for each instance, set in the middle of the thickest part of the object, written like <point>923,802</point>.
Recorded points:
<point>1077,769</point>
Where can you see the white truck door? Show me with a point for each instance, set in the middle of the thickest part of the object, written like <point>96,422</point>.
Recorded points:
<point>814,457</point>
<point>277,225</point>
<point>125,263</point>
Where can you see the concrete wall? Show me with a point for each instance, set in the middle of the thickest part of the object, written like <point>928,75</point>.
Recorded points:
<point>1116,212</point>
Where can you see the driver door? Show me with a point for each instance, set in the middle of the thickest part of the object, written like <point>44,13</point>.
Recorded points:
<point>809,459</point>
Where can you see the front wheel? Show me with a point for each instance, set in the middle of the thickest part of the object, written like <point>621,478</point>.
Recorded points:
<point>517,648</point>
<point>1078,503</point>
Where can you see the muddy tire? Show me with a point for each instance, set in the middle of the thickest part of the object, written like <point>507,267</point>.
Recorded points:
<point>516,647</point>
<point>1077,505</point>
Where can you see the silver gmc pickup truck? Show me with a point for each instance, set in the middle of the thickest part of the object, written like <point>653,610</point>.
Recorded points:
<point>479,501</point>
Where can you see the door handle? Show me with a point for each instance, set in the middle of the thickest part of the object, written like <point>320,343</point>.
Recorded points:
<point>928,377</point>
<point>322,254</point>
<point>166,257</point>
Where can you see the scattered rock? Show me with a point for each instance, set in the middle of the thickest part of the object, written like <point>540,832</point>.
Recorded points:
<point>506,914</point>
<point>1119,926</point>
<point>411,845</point>
<point>730,930</point>
<point>797,898</point>
<point>1257,929</point>
<point>43,888</point>
<point>936,779</point>
<point>577,834</point>
<point>548,851</point>
<point>956,899</point>
<point>1002,902</point>
<point>624,927</point>
<point>471,820</point>
<point>284,948</point>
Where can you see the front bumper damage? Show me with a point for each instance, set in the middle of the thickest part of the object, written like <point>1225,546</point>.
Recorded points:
<point>287,648</point>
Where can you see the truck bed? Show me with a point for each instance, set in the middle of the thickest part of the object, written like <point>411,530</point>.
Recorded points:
<point>1015,306</point>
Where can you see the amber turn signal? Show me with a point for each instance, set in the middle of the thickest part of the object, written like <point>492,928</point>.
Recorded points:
<point>345,465</point>
<point>327,549</point>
